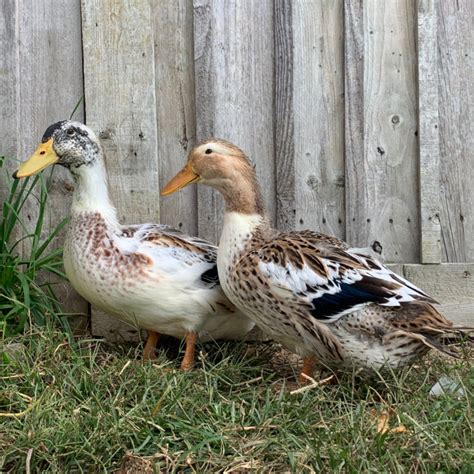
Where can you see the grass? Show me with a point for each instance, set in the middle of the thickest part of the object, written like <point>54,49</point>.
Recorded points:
<point>94,407</point>
<point>26,259</point>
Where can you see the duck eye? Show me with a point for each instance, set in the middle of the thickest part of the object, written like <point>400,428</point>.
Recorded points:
<point>70,132</point>
<point>208,151</point>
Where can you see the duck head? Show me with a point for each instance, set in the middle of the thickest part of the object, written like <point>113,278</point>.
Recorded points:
<point>213,163</point>
<point>225,167</point>
<point>67,143</point>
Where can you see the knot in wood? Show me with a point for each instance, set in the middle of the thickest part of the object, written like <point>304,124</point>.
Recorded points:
<point>106,134</point>
<point>395,119</point>
<point>312,182</point>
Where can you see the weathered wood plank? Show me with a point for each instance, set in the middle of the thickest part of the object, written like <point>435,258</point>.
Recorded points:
<point>175,105</point>
<point>233,48</point>
<point>50,83</point>
<point>428,134</point>
<point>119,78</point>
<point>396,267</point>
<point>451,284</point>
<point>309,116</point>
<point>113,330</point>
<point>284,115</point>
<point>354,117</point>
<point>8,87</point>
<point>318,94</point>
<point>382,158</point>
<point>119,81</point>
<point>456,116</point>
<point>41,83</point>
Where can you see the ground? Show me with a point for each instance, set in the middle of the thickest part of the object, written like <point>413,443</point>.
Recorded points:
<point>90,406</point>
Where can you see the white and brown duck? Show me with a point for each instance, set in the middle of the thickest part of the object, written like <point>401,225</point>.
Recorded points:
<point>148,275</point>
<point>310,291</point>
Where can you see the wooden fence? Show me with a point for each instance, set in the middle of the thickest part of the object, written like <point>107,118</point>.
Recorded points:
<point>358,114</point>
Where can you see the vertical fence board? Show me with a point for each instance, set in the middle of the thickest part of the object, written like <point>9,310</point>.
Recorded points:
<point>382,164</point>
<point>456,116</point>
<point>354,119</point>
<point>318,93</point>
<point>175,105</point>
<point>309,103</point>
<point>50,83</point>
<point>42,82</point>
<point>233,47</point>
<point>428,132</point>
<point>9,61</point>
<point>284,115</point>
<point>119,81</point>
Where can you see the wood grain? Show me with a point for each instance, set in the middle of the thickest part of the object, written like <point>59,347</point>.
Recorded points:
<point>354,119</point>
<point>428,134</point>
<point>451,284</point>
<point>456,116</point>
<point>284,115</point>
<point>8,87</point>
<point>41,84</point>
<point>233,51</point>
<point>318,95</point>
<point>309,116</point>
<point>175,106</point>
<point>382,157</point>
<point>113,330</point>
<point>119,81</point>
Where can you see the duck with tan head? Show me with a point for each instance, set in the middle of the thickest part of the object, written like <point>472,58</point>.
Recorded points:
<point>307,290</point>
<point>148,275</point>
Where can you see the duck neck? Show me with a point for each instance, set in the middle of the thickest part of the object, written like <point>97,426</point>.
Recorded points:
<point>242,194</point>
<point>245,218</point>
<point>91,194</point>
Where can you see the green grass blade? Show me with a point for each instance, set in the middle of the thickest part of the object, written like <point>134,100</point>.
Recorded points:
<point>76,107</point>
<point>16,219</point>
<point>52,235</point>
<point>40,218</point>
<point>26,289</point>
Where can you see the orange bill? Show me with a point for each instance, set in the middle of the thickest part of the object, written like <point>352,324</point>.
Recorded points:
<point>183,178</point>
<point>43,157</point>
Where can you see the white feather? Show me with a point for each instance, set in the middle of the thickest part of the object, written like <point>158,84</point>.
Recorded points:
<point>169,297</point>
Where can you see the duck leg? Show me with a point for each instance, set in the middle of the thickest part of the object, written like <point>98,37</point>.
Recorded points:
<point>309,363</point>
<point>188,359</point>
<point>150,346</point>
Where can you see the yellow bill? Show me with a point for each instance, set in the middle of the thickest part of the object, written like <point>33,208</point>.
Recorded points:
<point>183,178</point>
<point>43,157</point>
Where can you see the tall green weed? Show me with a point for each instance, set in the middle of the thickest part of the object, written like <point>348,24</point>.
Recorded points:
<point>27,260</point>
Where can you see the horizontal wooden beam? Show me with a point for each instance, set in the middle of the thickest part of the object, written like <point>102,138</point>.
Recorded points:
<point>452,284</point>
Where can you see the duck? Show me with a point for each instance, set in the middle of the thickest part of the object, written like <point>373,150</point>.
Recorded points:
<point>309,291</point>
<point>148,275</point>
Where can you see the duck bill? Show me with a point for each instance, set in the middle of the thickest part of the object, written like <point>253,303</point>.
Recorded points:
<point>43,157</point>
<point>185,177</point>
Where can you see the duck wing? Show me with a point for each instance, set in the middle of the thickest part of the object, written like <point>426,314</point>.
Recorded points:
<point>173,252</point>
<point>323,274</point>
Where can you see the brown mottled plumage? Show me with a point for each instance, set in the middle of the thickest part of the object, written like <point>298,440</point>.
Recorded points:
<point>310,291</point>
<point>149,275</point>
